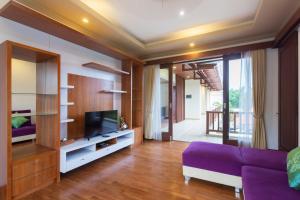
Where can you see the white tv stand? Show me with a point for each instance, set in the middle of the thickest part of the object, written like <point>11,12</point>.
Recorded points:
<point>83,151</point>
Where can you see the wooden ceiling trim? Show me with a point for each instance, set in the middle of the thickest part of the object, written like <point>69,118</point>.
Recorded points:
<point>210,54</point>
<point>287,29</point>
<point>29,17</point>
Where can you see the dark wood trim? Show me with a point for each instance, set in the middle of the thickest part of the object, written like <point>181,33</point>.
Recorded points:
<point>226,138</point>
<point>288,29</point>
<point>209,54</point>
<point>170,104</point>
<point>29,17</point>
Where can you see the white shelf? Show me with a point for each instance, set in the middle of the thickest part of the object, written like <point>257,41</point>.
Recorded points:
<point>67,87</point>
<point>78,154</point>
<point>83,151</point>
<point>67,121</point>
<point>33,114</point>
<point>68,104</point>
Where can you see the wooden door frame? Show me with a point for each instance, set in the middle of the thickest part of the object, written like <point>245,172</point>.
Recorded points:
<point>168,136</point>
<point>226,117</point>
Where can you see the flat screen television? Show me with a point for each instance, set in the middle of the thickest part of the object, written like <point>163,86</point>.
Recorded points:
<point>101,123</point>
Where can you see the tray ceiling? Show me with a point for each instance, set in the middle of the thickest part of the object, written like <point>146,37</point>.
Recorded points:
<point>155,28</point>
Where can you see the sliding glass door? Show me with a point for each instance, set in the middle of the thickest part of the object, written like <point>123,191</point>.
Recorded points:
<point>166,98</point>
<point>238,100</point>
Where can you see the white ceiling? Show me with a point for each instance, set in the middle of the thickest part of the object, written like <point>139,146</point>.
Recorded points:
<point>153,28</point>
<point>151,20</point>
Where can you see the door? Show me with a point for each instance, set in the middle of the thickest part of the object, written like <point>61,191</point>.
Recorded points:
<point>231,75</point>
<point>180,99</point>
<point>166,96</point>
<point>288,93</point>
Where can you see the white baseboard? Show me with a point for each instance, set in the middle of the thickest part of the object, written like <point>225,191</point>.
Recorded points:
<point>216,177</point>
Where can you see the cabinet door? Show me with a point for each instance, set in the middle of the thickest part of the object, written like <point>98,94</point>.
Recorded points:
<point>288,93</point>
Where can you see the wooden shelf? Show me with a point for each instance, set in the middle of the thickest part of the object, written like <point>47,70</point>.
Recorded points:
<point>105,68</point>
<point>28,150</point>
<point>67,87</point>
<point>114,91</point>
<point>67,121</point>
<point>68,104</point>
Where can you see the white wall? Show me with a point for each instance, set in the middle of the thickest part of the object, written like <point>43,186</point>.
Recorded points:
<point>192,106</point>
<point>203,108</point>
<point>271,101</point>
<point>72,57</point>
<point>23,80</point>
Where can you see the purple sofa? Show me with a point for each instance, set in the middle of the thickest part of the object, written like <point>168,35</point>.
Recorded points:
<point>261,173</point>
<point>26,131</point>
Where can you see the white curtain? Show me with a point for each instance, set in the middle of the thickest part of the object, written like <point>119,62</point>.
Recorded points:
<point>246,101</point>
<point>152,102</point>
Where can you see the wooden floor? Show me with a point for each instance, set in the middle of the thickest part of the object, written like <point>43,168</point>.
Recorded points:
<point>151,171</point>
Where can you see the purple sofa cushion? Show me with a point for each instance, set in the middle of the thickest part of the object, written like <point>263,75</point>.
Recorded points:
<point>264,158</point>
<point>265,184</point>
<point>24,130</point>
<point>28,117</point>
<point>214,157</point>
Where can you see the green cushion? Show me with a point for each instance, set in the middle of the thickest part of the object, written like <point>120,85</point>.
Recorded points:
<point>17,122</point>
<point>293,168</point>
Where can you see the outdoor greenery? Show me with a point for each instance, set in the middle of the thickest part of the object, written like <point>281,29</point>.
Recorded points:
<point>234,101</point>
<point>234,98</point>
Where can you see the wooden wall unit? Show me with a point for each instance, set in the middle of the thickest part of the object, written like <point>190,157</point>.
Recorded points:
<point>138,102</point>
<point>133,100</point>
<point>288,93</point>
<point>127,65</point>
<point>99,95</point>
<point>87,97</point>
<point>5,128</point>
<point>17,159</point>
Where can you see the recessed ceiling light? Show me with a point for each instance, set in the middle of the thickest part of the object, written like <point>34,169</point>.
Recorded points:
<point>85,20</point>
<point>174,67</point>
<point>192,44</point>
<point>181,13</point>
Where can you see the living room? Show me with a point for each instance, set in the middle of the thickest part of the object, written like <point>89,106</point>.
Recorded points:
<point>93,93</point>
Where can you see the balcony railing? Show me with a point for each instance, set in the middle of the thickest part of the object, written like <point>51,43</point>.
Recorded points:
<point>214,121</point>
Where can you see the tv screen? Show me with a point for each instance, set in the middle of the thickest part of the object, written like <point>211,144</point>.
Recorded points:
<point>101,122</point>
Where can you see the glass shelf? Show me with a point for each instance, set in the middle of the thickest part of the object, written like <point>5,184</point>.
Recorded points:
<point>30,93</point>
<point>33,114</point>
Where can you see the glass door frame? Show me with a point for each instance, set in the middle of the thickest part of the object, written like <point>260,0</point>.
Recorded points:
<point>168,136</point>
<point>226,112</point>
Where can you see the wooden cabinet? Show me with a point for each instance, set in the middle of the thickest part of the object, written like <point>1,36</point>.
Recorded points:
<point>27,167</point>
<point>30,166</point>
<point>33,182</point>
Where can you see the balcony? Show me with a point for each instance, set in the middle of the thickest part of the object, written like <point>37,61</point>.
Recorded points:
<point>214,121</point>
